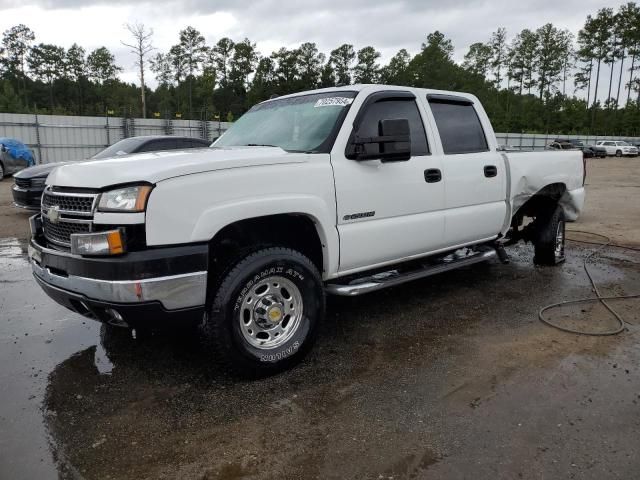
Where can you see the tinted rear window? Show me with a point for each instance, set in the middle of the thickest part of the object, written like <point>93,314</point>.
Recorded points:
<point>459,127</point>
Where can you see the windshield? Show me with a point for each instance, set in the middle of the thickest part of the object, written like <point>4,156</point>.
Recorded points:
<point>624,144</point>
<point>306,123</point>
<point>123,147</point>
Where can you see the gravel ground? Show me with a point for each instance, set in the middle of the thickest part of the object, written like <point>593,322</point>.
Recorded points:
<point>449,377</point>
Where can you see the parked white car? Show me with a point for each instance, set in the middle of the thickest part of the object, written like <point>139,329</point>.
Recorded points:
<point>618,148</point>
<point>342,191</point>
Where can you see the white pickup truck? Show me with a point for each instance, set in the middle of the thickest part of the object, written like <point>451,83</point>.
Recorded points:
<point>342,191</point>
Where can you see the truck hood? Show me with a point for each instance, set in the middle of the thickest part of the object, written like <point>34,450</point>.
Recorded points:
<point>153,167</point>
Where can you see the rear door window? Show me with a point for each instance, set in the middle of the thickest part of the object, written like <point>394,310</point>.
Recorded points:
<point>459,127</point>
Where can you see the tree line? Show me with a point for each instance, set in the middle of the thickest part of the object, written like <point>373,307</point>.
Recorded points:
<point>537,81</point>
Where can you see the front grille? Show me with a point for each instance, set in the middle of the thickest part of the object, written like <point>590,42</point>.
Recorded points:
<point>60,233</point>
<point>72,213</point>
<point>38,182</point>
<point>73,203</point>
<point>23,182</point>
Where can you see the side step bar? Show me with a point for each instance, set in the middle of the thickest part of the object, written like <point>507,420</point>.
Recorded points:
<point>394,277</point>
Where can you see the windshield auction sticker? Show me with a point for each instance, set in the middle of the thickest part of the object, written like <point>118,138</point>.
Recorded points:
<point>334,102</point>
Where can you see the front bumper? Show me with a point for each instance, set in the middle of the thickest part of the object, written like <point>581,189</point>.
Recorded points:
<point>138,288</point>
<point>27,198</point>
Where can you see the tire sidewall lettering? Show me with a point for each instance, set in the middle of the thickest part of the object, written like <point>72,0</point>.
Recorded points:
<point>297,275</point>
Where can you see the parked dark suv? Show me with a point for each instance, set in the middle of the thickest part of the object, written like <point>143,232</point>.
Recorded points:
<point>30,182</point>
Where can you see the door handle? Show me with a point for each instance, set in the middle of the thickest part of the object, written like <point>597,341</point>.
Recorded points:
<point>432,175</point>
<point>490,171</point>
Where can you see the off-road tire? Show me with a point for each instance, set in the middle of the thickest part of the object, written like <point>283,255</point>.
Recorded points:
<point>550,238</point>
<point>221,328</point>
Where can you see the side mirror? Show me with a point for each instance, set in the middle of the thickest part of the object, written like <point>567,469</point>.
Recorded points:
<point>393,143</point>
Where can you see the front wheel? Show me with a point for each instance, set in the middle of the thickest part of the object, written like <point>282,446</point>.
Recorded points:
<point>550,238</point>
<point>264,316</point>
<point>618,153</point>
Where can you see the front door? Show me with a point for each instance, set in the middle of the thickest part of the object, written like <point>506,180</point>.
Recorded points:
<point>389,211</point>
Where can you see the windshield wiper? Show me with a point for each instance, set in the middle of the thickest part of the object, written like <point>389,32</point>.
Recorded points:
<point>260,145</point>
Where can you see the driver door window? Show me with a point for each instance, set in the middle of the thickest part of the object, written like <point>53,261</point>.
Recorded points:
<point>390,110</point>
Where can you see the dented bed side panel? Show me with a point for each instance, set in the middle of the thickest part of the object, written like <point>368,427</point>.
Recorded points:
<point>530,172</point>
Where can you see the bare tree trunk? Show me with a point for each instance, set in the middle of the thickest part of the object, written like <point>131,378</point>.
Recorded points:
<point>610,80</point>
<point>143,95</point>
<point>24,83</point>
<point>633,61</point>
<point>140,47</point>
<point>619,80</point>
<point>521,81</point>
<point>595,94</point>
<point>190,102</point>
<point>589,82</point>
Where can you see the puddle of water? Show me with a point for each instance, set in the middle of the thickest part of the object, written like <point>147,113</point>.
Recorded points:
<point>13,255</point>
<point>101,360</point>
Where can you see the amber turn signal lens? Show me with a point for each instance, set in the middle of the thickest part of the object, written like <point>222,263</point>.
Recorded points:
<point>141,201</point>
<point>116,246</point>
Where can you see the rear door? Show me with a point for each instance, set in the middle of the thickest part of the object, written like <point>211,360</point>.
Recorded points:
<point>475,175</point>
<point>388,211</point>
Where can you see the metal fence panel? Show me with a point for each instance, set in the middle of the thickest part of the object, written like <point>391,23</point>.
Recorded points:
<point>56,138</point>
<point>530,141</point>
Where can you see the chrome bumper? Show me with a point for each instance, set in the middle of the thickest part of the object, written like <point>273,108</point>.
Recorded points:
<point>173,292</point>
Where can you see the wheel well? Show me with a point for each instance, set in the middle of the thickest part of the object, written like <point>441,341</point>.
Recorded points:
<point>295,231</point>
<point>543,200</point>
<point>542,203</point>
<point>539,208</point>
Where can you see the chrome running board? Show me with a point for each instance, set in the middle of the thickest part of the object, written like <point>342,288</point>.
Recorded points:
<point>391,278</point>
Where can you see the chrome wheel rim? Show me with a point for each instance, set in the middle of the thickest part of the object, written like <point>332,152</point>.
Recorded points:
<point>271,312</point>
<point>559,250</point>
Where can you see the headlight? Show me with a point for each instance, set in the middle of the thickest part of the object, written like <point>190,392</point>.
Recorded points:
<point>126,199</point>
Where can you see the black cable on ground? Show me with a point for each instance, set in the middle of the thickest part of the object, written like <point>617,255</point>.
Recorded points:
<point>598,298</point>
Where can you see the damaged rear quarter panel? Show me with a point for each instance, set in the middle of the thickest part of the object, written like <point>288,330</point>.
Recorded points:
<point>532,171</point>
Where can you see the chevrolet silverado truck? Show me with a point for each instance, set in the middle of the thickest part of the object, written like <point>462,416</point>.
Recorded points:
<point>336,191</point>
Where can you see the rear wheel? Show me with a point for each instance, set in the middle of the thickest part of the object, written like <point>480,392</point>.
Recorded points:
<point>550,238</point>
<point>265,313</point>
<point>1,171</point>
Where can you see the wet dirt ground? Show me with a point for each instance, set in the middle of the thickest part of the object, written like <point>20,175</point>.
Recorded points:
<point>449,377</point>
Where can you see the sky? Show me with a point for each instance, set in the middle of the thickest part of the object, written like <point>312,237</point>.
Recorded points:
<point>387,25</point>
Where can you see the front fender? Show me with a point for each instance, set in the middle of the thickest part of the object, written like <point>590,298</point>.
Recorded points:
<point>217,217</point>
<point>194,208</point>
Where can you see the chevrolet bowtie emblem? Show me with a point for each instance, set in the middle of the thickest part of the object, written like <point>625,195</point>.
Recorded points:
<point>53,214</point>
